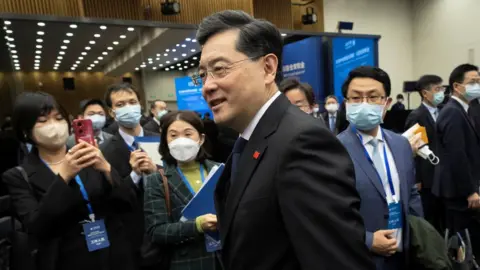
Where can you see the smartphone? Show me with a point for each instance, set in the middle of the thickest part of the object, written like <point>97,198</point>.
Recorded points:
<point>83,130</point>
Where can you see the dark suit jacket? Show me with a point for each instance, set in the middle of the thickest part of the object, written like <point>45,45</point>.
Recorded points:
<point>52,210</point>
<point>117,153</point>
<point>398,107</point>
<point>458,174</point>
<point>374,207</point>
<point>152,126</point>
<point>293,203</point>
<point>474,113</point>
<point>182,238</point>
<point>424,169</point>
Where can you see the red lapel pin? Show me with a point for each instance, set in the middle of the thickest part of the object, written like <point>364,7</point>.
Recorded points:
<point>256,155</point>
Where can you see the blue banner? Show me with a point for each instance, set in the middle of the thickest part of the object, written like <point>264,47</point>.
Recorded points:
<point>189,96</point>
<point>349,53</point>
<point>303,59</point>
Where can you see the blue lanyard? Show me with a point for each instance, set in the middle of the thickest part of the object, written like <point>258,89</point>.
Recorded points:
<point>91,215</point>
<point>387,165</point>
<point>186,181</point>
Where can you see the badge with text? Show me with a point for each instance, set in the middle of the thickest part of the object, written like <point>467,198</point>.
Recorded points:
<point>212,241</point>
<point>395,216</point>
<point>96,235</point>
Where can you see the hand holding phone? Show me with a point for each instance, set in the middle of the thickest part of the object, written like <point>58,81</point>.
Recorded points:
<point>83,130</point>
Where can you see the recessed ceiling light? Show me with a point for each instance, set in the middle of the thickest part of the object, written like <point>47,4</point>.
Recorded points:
<point>89,68</point>
<point>186,61</point>
<point>193,64</point>
<point>36,64</point>
<point>74,65</point>
<point>95,62</point>
<point>188,39</point>
<point>167,50</point>
<point>180,68</point>
<point>58,62</point>
<point>55,68</point>
<point>77,62</point>
<point>184,54</point>
<point>167,69</point>
<point>195,58</point>
<point>136,68</point>
<point>194,40</point>
<point>193,50</point>
<point>179,64</point>
<point>154,68</point>
<point>38,46</point>
<point>104,53</point>
<point>36,68</point>
<point>168,62</point>
<point>185,67</point>
<point>178,45</point>
<point>60,57</point>
<point>39,40</point>
<point>92,65</point>
<point>131,29</point>
<point>66,41</point>
<point>73,26</point>
<point>63,47</point>
<point>72,68</point>
<point>158,58</point>
<point>7,22</point>
<point>11,45</point>
<point>69,34</point>
<point>284,35</point>
<point>9,31</point>
<point>80,57</point>
<point>83,53</point>
<point>150,59</point>
<point>15,60</point>
<point>61,52</point>
<point>161,65</point>
<point>38,52</point>
<point>165,54</point>
<point>175,59</point>
<point>115,43</point>
<point>150,63</point>
<point>174,50</point>
<point>91,42</point>
<point>87,48</point>
<point>37,61</point>
<point>183,45</point>
<point>38,56</point>
<point>41,24</point>
<point>142,66</point>
<point>13,51</point>
<point>97,35</point>
<point>40,33</point>
<point>14,56</point>
<point>158,54</point>
<point>17,68</point>
<point>123,36</point>
<point>109,48</point>
<point>100,58</point>
<point>103,27</point>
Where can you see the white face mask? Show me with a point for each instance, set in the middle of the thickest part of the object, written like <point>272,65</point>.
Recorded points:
<point>52,135</point>
<point>332,107</point>
<point>184,149</point>
<point>315,110</point>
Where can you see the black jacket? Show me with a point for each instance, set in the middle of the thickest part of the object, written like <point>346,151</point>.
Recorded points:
<point>152,126</point>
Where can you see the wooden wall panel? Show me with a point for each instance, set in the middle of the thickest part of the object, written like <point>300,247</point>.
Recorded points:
<point>193,11</point>
<point>113,9</point>
<point>42,7</point>
<point>279,12</point>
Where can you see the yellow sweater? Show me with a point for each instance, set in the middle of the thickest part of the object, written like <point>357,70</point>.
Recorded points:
<point>191,172</point>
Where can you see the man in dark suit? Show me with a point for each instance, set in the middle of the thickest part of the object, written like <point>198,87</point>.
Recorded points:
<point>432,91</point>
<point>384,168</point>
<point>398,106</point>
<point>286,199</point>
<point>474,113</point>
<point>457,178</point>
<point>123,154</point>
<point>330,117</point>
<point>157,110</point>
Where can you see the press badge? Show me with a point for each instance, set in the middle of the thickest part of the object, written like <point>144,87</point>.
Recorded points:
<point>212,241</point>
<point>96,235</point>
<point>395,215</point>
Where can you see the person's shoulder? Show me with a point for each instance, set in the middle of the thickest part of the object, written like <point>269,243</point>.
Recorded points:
<point>11,175</point>
<point>153,180</point>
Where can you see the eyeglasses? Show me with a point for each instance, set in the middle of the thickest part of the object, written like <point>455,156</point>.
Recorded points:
<point>217,72</point>
<point>370,99</point>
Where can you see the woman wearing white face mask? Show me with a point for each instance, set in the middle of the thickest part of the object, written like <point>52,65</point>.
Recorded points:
<point>63,196</point>
<point>186,167</point>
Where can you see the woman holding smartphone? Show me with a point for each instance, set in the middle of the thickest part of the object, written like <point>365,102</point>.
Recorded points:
<point>72,199</point>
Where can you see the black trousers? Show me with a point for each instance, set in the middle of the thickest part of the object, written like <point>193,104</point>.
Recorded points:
<point>459,217</point>
<point>433,209</point>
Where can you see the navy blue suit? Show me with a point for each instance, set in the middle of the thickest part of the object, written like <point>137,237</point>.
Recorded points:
<point>374,207</point>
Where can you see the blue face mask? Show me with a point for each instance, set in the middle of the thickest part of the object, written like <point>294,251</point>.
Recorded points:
<point>98,121</point>
<point>472,91</point>
<point>438,98</point>
<point>161,113</point>
<point>364,116</point>
<point>128,116</point>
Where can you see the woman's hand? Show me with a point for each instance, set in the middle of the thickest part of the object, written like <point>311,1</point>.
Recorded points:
<point>80,156</point>
<point>206,222</point>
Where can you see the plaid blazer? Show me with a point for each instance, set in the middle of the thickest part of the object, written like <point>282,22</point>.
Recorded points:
<point>188,245</point>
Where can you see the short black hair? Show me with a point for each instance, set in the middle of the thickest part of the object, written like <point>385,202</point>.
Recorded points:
<point>257,37</point>
<point>375,73</point>
<point>458,74</point>
<point>426,82</point>
<point>84,105</point>
<point>400,96</point>
<point>190,117</point>
<point>119,87</point>
<point>331,96</point>
<point>291,83</point>
<point>28,107</point>
<point>154,103</point>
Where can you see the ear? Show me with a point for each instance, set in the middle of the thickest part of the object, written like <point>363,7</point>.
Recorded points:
<point>270,68</point>
<point>202,139</point>
<point>111,113</point>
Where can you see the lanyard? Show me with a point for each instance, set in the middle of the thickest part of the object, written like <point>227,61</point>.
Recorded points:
<point>91,215</point>
<point>186,181</point>
<point>387,165</point>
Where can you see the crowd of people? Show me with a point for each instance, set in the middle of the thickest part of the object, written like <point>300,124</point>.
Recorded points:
<point>303,187</point>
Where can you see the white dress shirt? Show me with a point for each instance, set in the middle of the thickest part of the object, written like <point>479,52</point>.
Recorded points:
<point>464,105</point>
<point>129,140</point>
<point>156,120</point>
<point>247,133</point>
<point>432,110</point>
<point>393,171</point>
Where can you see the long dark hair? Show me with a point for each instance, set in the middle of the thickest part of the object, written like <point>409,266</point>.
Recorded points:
<point>189,117</point>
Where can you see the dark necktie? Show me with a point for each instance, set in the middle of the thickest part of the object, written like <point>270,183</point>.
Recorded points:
<point>332,123</point>
<point>236,153</point>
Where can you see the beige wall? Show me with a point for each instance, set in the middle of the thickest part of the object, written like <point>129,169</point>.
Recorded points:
<point>161,85</point>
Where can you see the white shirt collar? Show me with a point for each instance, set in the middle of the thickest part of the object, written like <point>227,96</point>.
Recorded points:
<point>464,105</point>
<point>430,108</point>
<point>247,133</point>
<point>367,138</point>
<point>155,119</point>
<point>332,114</point>
<point>129,139</point>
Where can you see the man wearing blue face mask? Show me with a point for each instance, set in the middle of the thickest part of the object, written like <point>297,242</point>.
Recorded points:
<point>384,168</point>
<point>158,109</point>
<point>130,162</point>
<point>432,93</point>
<point>94,110</point>
<point>457,179</point>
